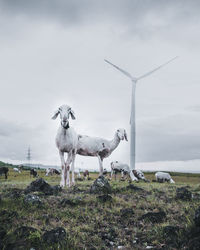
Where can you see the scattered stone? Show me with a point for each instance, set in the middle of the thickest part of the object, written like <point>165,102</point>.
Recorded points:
<point>154,217</point>
<point>126,212</point>
<point>72,201</point>
<point>32,199</point>
<point>101,185</point>
<point>197,217</point>
<point>57,235</point>
<point>41,185</point>
<point>183,194</point>
<point>104,198</point>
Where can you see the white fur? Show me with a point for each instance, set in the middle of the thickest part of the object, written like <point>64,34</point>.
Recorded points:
<point>98,147</point>
<point>162,176</point>
<point>66,142</point>
<point>16,170</point>
<point>121,167</point>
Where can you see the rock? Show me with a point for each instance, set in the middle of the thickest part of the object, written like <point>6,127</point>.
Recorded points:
<point>101,185</point>
<point>171,235</point>
<point>41,185</point>
<point>135,188</point>
<point>104,198</point>
<point>72,201</point>
<point>194,244</point>
<point>154,217</point>
<point>7,216</point>
<point>57,235</point>
<point>183,194</point>
<point>15,193</point>
<point>2,233</point>
<point>197,217</point>
<point>126,212</point>
<point>32,199</point>
<point>23,238</point>
<point>56,189</point>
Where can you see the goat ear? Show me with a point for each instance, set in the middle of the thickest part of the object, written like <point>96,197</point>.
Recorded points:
<point>125,135</point>
<point>72,115</point>
<point>55,115</point>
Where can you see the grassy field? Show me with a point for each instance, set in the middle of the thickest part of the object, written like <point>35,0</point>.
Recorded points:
<point>93,224</point>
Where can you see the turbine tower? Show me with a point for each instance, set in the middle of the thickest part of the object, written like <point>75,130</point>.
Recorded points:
<point>134,80</point>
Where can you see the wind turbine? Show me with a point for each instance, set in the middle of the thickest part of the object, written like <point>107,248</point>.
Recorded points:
<point>132,120</point>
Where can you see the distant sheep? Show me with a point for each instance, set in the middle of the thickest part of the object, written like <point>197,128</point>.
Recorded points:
<point>118,167</point>
<point>33,172</point>
<point>86,174</point>
<point>16,170</point>
<point>163,177</point>
<point>51,171</point>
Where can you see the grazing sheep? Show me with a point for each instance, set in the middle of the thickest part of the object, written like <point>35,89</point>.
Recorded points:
<point>4,170</point>
<point>163,177</point>
<point>139,174</point>
<point>66,142</point>
<point>51,171</point>
<point>86,174</point>
<point>118,167</point>
<point>98,147</point>
<point>33,172</point>
<point>17,170</point>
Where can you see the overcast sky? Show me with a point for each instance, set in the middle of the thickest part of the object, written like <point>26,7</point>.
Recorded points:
<point>52,52</point>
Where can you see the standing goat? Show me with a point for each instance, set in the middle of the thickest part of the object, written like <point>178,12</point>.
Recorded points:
<point>66,142</point>
<point>98,147</point>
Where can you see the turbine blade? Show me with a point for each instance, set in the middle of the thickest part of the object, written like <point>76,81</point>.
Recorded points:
<point>152,71</point>
<point>123,71</point>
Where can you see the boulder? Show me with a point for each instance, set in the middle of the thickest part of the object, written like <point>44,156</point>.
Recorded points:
<point>104,198</point>
<point>101,185</point>
<point>57,235</point>
<point>72,201</point>
<point>154,217</point>
<point>126,212</point>
<point>32,199</point>
<point>183,194</point>
<point>41,185</point>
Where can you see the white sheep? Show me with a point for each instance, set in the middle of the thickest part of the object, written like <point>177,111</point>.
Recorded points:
<point>66,142</point>
<point>98,147</point>
<point>123,169</point>
<point>163,177</point>
<point>17,170</point>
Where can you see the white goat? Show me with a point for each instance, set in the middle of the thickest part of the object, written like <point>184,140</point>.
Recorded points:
<point>98,147</point>
<point>123,169</point>
<point>163,177</point>
<point>66,141</point>
<point>17,170</point>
